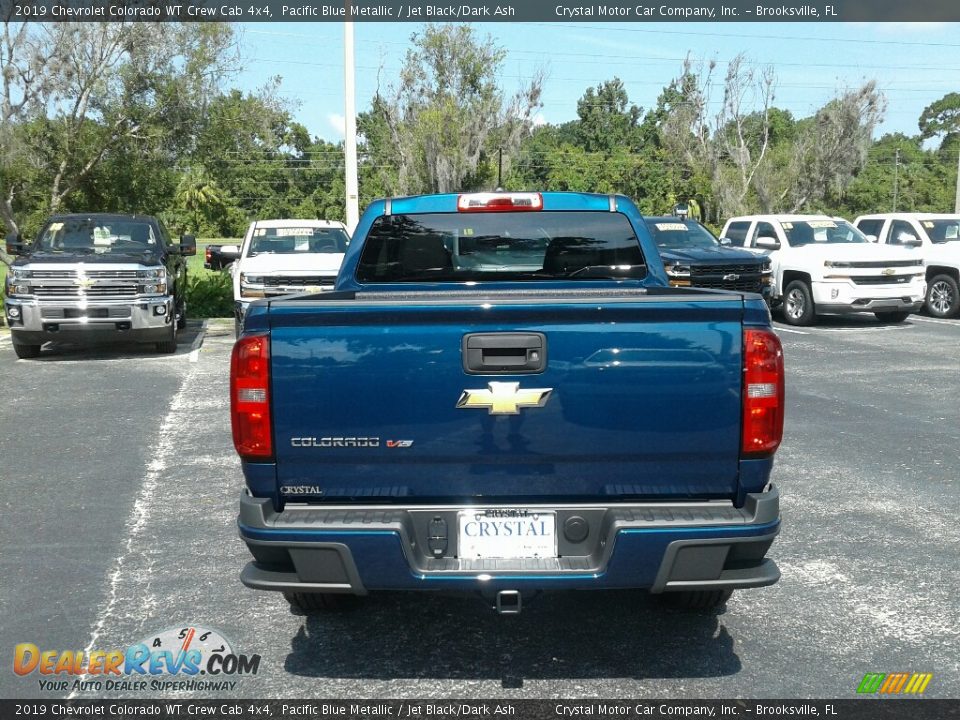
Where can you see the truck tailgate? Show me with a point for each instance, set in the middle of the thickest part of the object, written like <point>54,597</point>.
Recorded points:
<point>643,402</point>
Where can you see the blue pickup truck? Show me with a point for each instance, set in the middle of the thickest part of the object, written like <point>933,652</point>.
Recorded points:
<point>503,395</point>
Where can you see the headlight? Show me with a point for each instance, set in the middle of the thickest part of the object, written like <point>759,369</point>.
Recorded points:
<point>765,268</point>
<point>153,274</point>
<point>19,273</point>
<point>678,270</point>
<point>251,285</point>
<point>836,264</point>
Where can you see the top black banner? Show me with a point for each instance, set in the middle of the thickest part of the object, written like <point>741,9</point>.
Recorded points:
<point>479,11</point>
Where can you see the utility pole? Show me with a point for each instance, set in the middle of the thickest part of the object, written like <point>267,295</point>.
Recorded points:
<point>350,126</point>
<point>500,169</point>
<point>956,203</point>
<point>896,179</point>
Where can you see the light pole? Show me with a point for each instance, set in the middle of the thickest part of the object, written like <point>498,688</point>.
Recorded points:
<point>350,126</point>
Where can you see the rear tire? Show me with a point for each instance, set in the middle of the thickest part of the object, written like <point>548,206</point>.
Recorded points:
<point>892,317</point>
<point>697,599</point>
<point>26,352</point>
<point>798,308</point>
<point>311,603</point>
<point>943,296</point>
<point>169,346</point>
<point>182,316</point>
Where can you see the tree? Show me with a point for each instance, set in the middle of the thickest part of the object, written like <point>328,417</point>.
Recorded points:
<point>75,93</point>
<point>943,118</point>
<point>832,148</point>
<point>607,119</point>
<point>441,128</point>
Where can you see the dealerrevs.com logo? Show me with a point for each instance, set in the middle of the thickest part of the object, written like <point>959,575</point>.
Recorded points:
<point>182,658</point>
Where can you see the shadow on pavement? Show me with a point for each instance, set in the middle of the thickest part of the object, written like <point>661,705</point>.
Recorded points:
<point>558,636</point>
<point>117,350</point>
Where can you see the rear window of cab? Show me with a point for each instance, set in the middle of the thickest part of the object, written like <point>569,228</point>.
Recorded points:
<point>459,247</point>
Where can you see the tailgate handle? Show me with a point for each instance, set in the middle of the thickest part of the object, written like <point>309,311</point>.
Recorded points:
<point>504,353</point>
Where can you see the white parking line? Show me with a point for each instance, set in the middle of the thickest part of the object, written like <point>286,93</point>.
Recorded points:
<point>866,328</point>
<point>198,341</point>
<point>954,323</point>
<point>149,500</point>
<point>780,328</point>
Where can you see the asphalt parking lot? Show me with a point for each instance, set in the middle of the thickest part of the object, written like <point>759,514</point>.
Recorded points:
<point>119,489</point>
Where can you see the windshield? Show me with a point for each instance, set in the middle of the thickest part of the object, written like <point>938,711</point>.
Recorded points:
<point>100,237</point>
<point>680,234</point>
<point>810,232</point>
<point>450,247</point>
<point>942,230</point>
<point>293,240</point>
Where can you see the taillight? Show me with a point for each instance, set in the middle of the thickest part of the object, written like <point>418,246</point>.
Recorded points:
<point>206,254</point>
<point>763,393</point>
<point>250,397</point>
<point>499,202</point>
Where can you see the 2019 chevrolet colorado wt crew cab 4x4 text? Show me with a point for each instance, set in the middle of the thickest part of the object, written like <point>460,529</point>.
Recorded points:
<point>502,394</point>
<point>97,277</point>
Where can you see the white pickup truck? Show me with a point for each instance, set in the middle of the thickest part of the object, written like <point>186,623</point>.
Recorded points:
<point>282,257</point>
<point>938,236</point>
<point>824,265</point>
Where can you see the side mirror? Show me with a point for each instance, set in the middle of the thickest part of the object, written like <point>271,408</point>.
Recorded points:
<point>14,244</point>
<point>767,243</point>
<point>726,242</point>
<point>905,238</point>
<point>230,251</point>
<point>188,245</point>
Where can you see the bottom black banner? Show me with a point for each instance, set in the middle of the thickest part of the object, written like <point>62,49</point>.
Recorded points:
<point>850,709</point>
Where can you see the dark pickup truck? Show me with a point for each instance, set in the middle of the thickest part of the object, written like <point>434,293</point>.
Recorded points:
<point>97,277</point>
<point>693,257</point>
<point>503,395</point>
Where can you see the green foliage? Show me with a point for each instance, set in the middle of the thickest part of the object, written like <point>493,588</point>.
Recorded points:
<point>210,295</point>
<point>941,117</point>
<point>443,126</point>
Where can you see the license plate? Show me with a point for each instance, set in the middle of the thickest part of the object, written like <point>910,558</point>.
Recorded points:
<point>507,533</point>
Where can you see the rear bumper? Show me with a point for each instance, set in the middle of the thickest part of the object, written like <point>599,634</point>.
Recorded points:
<point>660,547</point>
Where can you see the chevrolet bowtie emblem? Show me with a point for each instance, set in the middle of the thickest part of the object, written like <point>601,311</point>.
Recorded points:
<point>504,398</point>
<point>887,271</point>
<point>85,282</point>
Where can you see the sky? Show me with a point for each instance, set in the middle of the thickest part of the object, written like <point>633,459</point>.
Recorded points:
<point>913,63</point>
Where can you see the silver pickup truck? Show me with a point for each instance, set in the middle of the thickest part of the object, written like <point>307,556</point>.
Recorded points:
<point>97,277</point>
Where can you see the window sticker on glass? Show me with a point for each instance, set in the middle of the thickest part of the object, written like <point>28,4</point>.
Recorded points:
<point>788,226</point>
<point>101,236</point>
<point>667,227</point>
<point>260,232</point>
<point>927,224</point>
<point>56,227</point>
<point>822,224</point>
<point>295,232</point>
<point>467,232</point>
<point>952,232</point>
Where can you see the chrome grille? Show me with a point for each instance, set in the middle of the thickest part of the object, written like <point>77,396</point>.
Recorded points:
<point>696,270</point>
<point>883,263</point>
<point>298,280</point>
<point>112,290</point>
<point>881,279</point>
